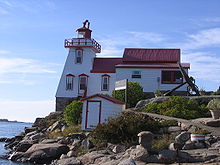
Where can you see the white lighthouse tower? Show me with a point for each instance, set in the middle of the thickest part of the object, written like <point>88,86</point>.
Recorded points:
<point>74,82</point>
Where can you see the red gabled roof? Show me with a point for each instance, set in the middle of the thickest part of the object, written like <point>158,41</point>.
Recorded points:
<point>151,55</point>
<point>151,65</point>
<point>109,98</point>
<point>105,65</point>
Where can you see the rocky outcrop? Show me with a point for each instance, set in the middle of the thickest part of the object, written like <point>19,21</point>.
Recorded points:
<point>199,99</point>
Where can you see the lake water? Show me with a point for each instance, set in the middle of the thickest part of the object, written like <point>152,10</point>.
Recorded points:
<point>10,129</point>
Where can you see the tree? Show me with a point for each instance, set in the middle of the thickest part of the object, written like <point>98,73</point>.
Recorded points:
<point>134,94</point>
<point>73,113</point>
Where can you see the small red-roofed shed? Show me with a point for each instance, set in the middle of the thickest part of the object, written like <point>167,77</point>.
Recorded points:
<point>98,108</point>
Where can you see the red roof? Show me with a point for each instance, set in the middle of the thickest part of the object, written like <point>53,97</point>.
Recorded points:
<point>159,65</point>
<point>105,65</point>
<point>151,55</point>
<point>109,98</point>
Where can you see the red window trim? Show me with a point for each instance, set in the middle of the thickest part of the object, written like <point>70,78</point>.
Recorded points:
<point>83,74</point>
<point>100,111</point>
<point>103,76</point>
<point>172,76</point>
<point>106,75</point>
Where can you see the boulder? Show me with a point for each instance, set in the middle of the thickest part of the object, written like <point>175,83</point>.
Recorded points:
<point>127,162</point>
<point>56,126</point>
<point>118,149</point>
<point>44,153</point>
<point>139,153</point>
<point>145,139</point>
<point>175,146</point>
<point>189,145</point>
<point>174,129</point>
<point>143,103</point>
<point>90,158</point>
<point>15,155</point>
<point>213,123</point>
<point>3,139</point>
<point>49,141</point>
<point>37,136</point>
<point>23,146</point>
<point>71,154</point>
<point>167,156</point>
<point>67,161</point>
<point>182,138</point>
<point>29,129</point>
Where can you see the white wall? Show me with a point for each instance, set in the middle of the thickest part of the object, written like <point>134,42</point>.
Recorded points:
<point>94,79</point>
<point>148,78</point>
<point>109,109</point>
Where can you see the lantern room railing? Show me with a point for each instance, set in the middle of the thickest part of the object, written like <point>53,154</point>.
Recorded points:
<point>77,42</point>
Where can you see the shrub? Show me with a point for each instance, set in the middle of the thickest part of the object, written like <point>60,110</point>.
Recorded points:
<point>134,94</point>
<point>73,113</point>
<point>214,104</point>
<point>69,130</point>
<point>163,142</point>
<point>123,129</point>
<point>179,107</point>
<point>201,131</point>
<point>168,123</point>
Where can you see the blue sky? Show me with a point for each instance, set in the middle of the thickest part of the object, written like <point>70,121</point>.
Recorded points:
<point>32,34</point>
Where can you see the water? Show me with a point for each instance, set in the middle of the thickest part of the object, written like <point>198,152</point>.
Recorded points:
<point>10,129</point>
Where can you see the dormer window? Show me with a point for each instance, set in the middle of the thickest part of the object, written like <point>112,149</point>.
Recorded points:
<point>69,82</point>
<point>79,56</point>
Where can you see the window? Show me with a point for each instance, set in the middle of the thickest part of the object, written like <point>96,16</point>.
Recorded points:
<point>82,82</point>
<point>105,82</point>
<point>172,77</point>
<point>69,82</point>
<point>79,55</point>
<point>136,74</point>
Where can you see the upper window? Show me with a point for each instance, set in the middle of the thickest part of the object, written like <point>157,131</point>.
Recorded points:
<point>172,77</point>
<point>136,74</point>
<point>79,56</point>
<point>69,82</point>
<point>105,82</point>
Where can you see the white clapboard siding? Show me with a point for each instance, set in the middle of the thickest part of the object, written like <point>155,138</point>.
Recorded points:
<point>148,78</point>
<point>108,110</point>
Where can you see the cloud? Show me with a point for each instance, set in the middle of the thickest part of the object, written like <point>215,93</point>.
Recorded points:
<point>21,65</point>
<point>31,6</point>
<point>4,52</point>
<point>202,39</point>
<point>19,70</point>
<point>204,65</point>
<point>26,111</point>
<point>114,45</point>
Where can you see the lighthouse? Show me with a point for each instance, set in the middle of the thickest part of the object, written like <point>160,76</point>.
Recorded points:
<point>76,74</point>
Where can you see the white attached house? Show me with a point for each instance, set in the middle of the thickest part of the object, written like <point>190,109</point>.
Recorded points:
<point>98,108</point>
<point>84,74</point>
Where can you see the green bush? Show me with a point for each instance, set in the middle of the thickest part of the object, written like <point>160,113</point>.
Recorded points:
<point>134,94</point>
<point>123,129</point>
<point>73,113</point>
<point>179,107</point>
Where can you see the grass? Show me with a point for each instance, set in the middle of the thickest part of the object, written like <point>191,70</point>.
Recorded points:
<point>163,142</point>
<point>67,131</point>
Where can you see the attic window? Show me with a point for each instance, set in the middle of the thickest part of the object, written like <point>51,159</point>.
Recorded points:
<point>69,82</point>
<point>79,56</point>
<point>172,77</point>
<point>136,74</point>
